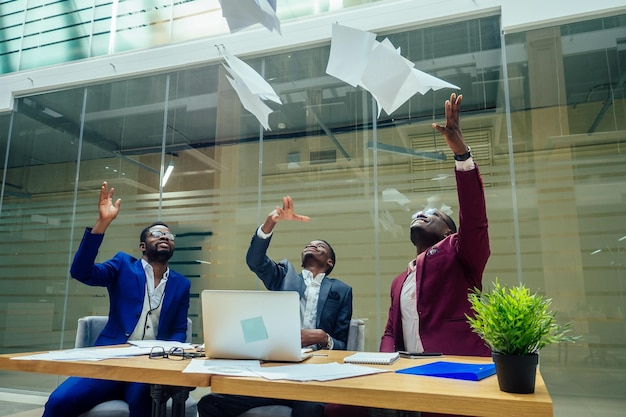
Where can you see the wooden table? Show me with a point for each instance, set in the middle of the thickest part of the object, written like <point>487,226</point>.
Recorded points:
<point>386,390</point>
<point>164,375</point>
<point>400,391</point>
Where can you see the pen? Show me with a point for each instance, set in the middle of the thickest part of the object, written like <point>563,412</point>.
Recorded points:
<point>320,354</point>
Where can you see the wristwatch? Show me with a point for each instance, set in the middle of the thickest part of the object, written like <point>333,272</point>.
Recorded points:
<point>467,155</point>
<point>329,343</point>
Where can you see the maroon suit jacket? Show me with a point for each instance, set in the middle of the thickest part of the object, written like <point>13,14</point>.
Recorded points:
<point>445,274</point>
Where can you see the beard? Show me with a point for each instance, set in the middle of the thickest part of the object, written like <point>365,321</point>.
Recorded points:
<point>306,258</point>
<point>424,237</point>
<point>159,255</point>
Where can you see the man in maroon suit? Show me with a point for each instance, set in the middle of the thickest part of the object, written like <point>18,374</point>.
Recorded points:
<point>429,299</point>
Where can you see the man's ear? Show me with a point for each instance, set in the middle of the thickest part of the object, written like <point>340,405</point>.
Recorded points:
<point>142,246</point>
<point>330,263</point>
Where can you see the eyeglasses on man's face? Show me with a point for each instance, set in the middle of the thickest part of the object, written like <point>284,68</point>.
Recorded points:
<point>159,234</point>
<point>175,353</point>
<point>432,212</point>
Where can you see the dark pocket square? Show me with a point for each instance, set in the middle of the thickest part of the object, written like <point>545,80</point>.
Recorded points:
<point>333,295</point>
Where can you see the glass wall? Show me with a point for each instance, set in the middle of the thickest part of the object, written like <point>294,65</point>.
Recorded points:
<point>38,33</point>
<point>547,132</point>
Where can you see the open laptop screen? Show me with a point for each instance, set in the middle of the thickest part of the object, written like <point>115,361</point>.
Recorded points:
<point>262,325</point>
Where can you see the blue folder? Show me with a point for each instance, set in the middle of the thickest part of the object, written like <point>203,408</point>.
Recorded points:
<point>455,370</point>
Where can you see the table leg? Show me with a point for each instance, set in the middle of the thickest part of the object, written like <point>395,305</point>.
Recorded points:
<point>159,395</point>
<point>179,397</point>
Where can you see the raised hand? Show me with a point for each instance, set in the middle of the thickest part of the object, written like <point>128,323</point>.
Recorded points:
<point>452,129</point>
<point>107,210</point>
<point>287,212</point>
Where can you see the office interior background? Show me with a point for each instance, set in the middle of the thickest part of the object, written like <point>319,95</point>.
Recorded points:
<point>119,90</point>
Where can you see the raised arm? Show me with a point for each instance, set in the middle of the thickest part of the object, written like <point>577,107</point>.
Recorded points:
<point>452,129</point>
<point>287,212</point>
<point>107,210</point>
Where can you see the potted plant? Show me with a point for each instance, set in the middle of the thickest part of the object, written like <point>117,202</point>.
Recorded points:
<point>516,324</point>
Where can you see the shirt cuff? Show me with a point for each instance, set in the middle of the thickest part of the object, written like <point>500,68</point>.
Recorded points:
<point>466,165</point>
<point>260,233</point>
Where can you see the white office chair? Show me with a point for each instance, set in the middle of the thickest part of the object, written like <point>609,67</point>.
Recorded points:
<point>356,341</point>
<point>89,328</point>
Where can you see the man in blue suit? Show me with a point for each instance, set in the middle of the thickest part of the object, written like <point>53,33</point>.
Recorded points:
<point>325,308</point>
<point>147,301</point>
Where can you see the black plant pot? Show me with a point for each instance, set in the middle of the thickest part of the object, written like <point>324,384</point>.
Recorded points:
<point>516,373</point>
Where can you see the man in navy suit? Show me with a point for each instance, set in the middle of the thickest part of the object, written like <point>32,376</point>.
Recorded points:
<point>147,301</point>
<point>325,308</point>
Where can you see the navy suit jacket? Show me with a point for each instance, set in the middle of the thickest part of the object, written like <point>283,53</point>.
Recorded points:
<point>334,308</point>
<point>445,273</point>
<point>125,280</point>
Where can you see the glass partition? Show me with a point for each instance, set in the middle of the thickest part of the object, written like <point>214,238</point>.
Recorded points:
<point>40,33</point>
<point>547,133</point>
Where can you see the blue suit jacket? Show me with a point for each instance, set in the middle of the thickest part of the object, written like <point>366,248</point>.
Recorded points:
<point>125,280</point>
<point>334,308</point>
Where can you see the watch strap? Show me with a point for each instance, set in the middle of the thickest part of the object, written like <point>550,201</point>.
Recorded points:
<point>467,155</point>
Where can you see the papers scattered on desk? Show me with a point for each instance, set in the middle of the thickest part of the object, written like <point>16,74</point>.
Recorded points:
<point>88,354</point>
<point>297,372</point>
<point>231,367</point>
<point>165,344</point>
<point>317,372</point>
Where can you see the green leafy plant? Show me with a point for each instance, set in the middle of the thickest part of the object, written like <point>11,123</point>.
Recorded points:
<point>514,321</point>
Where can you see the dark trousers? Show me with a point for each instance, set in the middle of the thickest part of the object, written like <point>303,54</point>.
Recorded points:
<point>217,405</point>
<point>340,410</point>
<point>78,395</point>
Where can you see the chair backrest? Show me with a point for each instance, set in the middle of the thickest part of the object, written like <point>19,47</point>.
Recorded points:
<point>356,335</point>
<point>90,327</point>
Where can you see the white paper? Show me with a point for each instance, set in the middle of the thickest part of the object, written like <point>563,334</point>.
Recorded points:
<point>246,75</point>
<point>165,344</point>
<point>386,76</point>
<point>240,14</point>
<point>252,103</point>
<point>251,88</point>
<point>88,354</point>
<point>317,372</point>
<point>230,367</point>
<point>350,51</point>
<point>378,67</point>
<point>428,82</point>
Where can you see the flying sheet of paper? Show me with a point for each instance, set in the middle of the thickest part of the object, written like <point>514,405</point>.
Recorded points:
<point>251,88</point>
<point>388,77</point>
<point>240,14</point>
<point>351,46</point>
<point>357,58</point>
<point>248,76</point>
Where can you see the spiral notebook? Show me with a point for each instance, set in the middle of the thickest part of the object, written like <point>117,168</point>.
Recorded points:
<point>372,358</point>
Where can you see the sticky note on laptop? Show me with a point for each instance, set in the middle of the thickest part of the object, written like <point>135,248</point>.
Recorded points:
<point>253,329</point>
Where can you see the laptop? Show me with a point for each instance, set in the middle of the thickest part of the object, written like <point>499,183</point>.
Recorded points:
<point>262,325</point>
